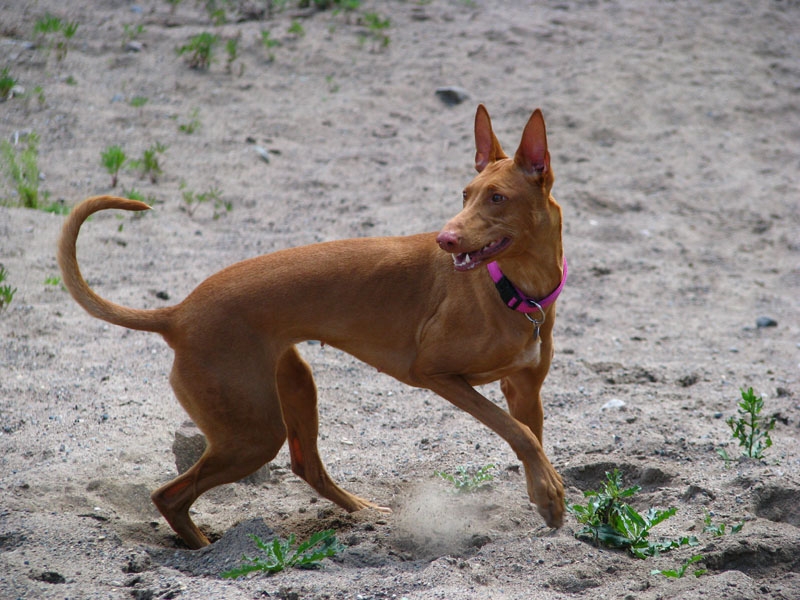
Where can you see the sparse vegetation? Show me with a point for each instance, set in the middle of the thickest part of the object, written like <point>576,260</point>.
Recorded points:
<point>465,481</point>
<point>284,554</point>
<point>193,124</point>
<point>20,162</point>
<point>51,25</point>
<point>232,50</point>
<point>149,165</point>
<point>113,158</point>
<point>269,43</point>
<point>750,428</point>
<point>131,32</point>
<point>720,529</point>
<point>7,83</point>
<point>6,291</point>
<point>377,26</point>
<point>681,571</point>
<point>192,200</point>
<point>199,50</point>
<point>610,521</point>
<point>296,29</point>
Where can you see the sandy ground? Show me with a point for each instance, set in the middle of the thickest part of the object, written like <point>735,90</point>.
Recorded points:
<point>674,129</point>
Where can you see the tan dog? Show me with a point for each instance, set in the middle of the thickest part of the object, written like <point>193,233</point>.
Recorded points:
<point>429,318</point>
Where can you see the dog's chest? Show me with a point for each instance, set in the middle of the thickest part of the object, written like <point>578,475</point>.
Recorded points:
<point>509,358</point>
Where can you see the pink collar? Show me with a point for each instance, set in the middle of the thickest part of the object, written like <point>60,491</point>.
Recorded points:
<point>518,301</point>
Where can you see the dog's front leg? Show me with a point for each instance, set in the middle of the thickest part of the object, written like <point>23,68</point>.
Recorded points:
<point>545,487</point>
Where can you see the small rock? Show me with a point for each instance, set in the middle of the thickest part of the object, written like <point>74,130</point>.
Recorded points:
<point>452,95</point>
<point>262,152</point>
<point>613,403</point>
<point>48,577</point>
<point>134,46</point>
<point>766,322</point>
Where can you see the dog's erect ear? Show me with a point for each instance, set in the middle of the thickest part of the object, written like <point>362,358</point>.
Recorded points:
<point>487,148</point>
<point>532,155</point>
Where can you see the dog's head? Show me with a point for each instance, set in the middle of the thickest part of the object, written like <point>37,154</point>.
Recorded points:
<point>508,209</point>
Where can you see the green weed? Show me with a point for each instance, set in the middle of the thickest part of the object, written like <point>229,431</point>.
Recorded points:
<point>283,554</point>
<point>112,158</point>
<point>149,165</point>
<point>296,29</point>
<point>466,482</point>
<point>269,43</point>
<point>377,26</point>
<point>7,83</point>
<point>192,200</point>
<point>199,51</point>
<point>20,164</point>
<point>750,428</point>
<point>49,25</point>
<point>6,291</point>
<point>609,521</point>
<point>681,571</point>
<point>193,124</point>
<point>138,101</point>
<point>719,529</point>
<point>232,50</point>
<point>131,32</point>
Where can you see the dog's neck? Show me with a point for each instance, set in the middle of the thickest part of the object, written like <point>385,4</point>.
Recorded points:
<point>518,300</point>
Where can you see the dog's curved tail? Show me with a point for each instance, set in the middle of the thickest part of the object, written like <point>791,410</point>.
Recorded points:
<point>157,320</point>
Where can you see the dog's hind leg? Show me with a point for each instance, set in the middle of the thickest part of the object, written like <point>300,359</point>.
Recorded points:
<point>298,396</point>
<point>239,441</point>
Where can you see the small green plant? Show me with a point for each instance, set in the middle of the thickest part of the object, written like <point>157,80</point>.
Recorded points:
<point>20,164</point>
<point>47,24</point>
<point>377,26</point>
<point>216,12</point>
<point>6,291</point>
<point>609,521</point>
<point>7,83</point>
<point>681,571</point>
<point>232,50</point>
<point>199,51</point>
<point>149,165</point>
<point>193,124</point>
<point>112,158</point>
<point>50,24</point>
<point>750,428</point>
<point>466,482</point>
<point>283,554</point>
<point>138,101</point>
<point>719,529</point>
<point>296,29</point>
<point>269,43</point>
<point>53,280</point>
<point>131,32</point>
<point>192,200</point>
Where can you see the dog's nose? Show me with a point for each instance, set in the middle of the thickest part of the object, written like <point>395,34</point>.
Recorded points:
<point>448,241</point>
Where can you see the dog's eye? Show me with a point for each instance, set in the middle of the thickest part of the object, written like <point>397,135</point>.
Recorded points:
<point>498,198</point>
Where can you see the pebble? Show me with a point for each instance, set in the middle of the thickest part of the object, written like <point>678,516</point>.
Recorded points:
<point>613,403</point>
<point>452,95</point>
<point>766,322</point>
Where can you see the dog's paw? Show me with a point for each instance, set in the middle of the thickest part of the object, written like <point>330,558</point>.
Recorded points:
<point>549,498</point>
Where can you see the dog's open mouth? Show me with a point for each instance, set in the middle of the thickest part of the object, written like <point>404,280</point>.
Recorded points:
<point>469,260</point>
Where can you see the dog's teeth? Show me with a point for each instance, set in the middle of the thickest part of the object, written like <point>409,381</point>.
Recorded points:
<point>466,258</point>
